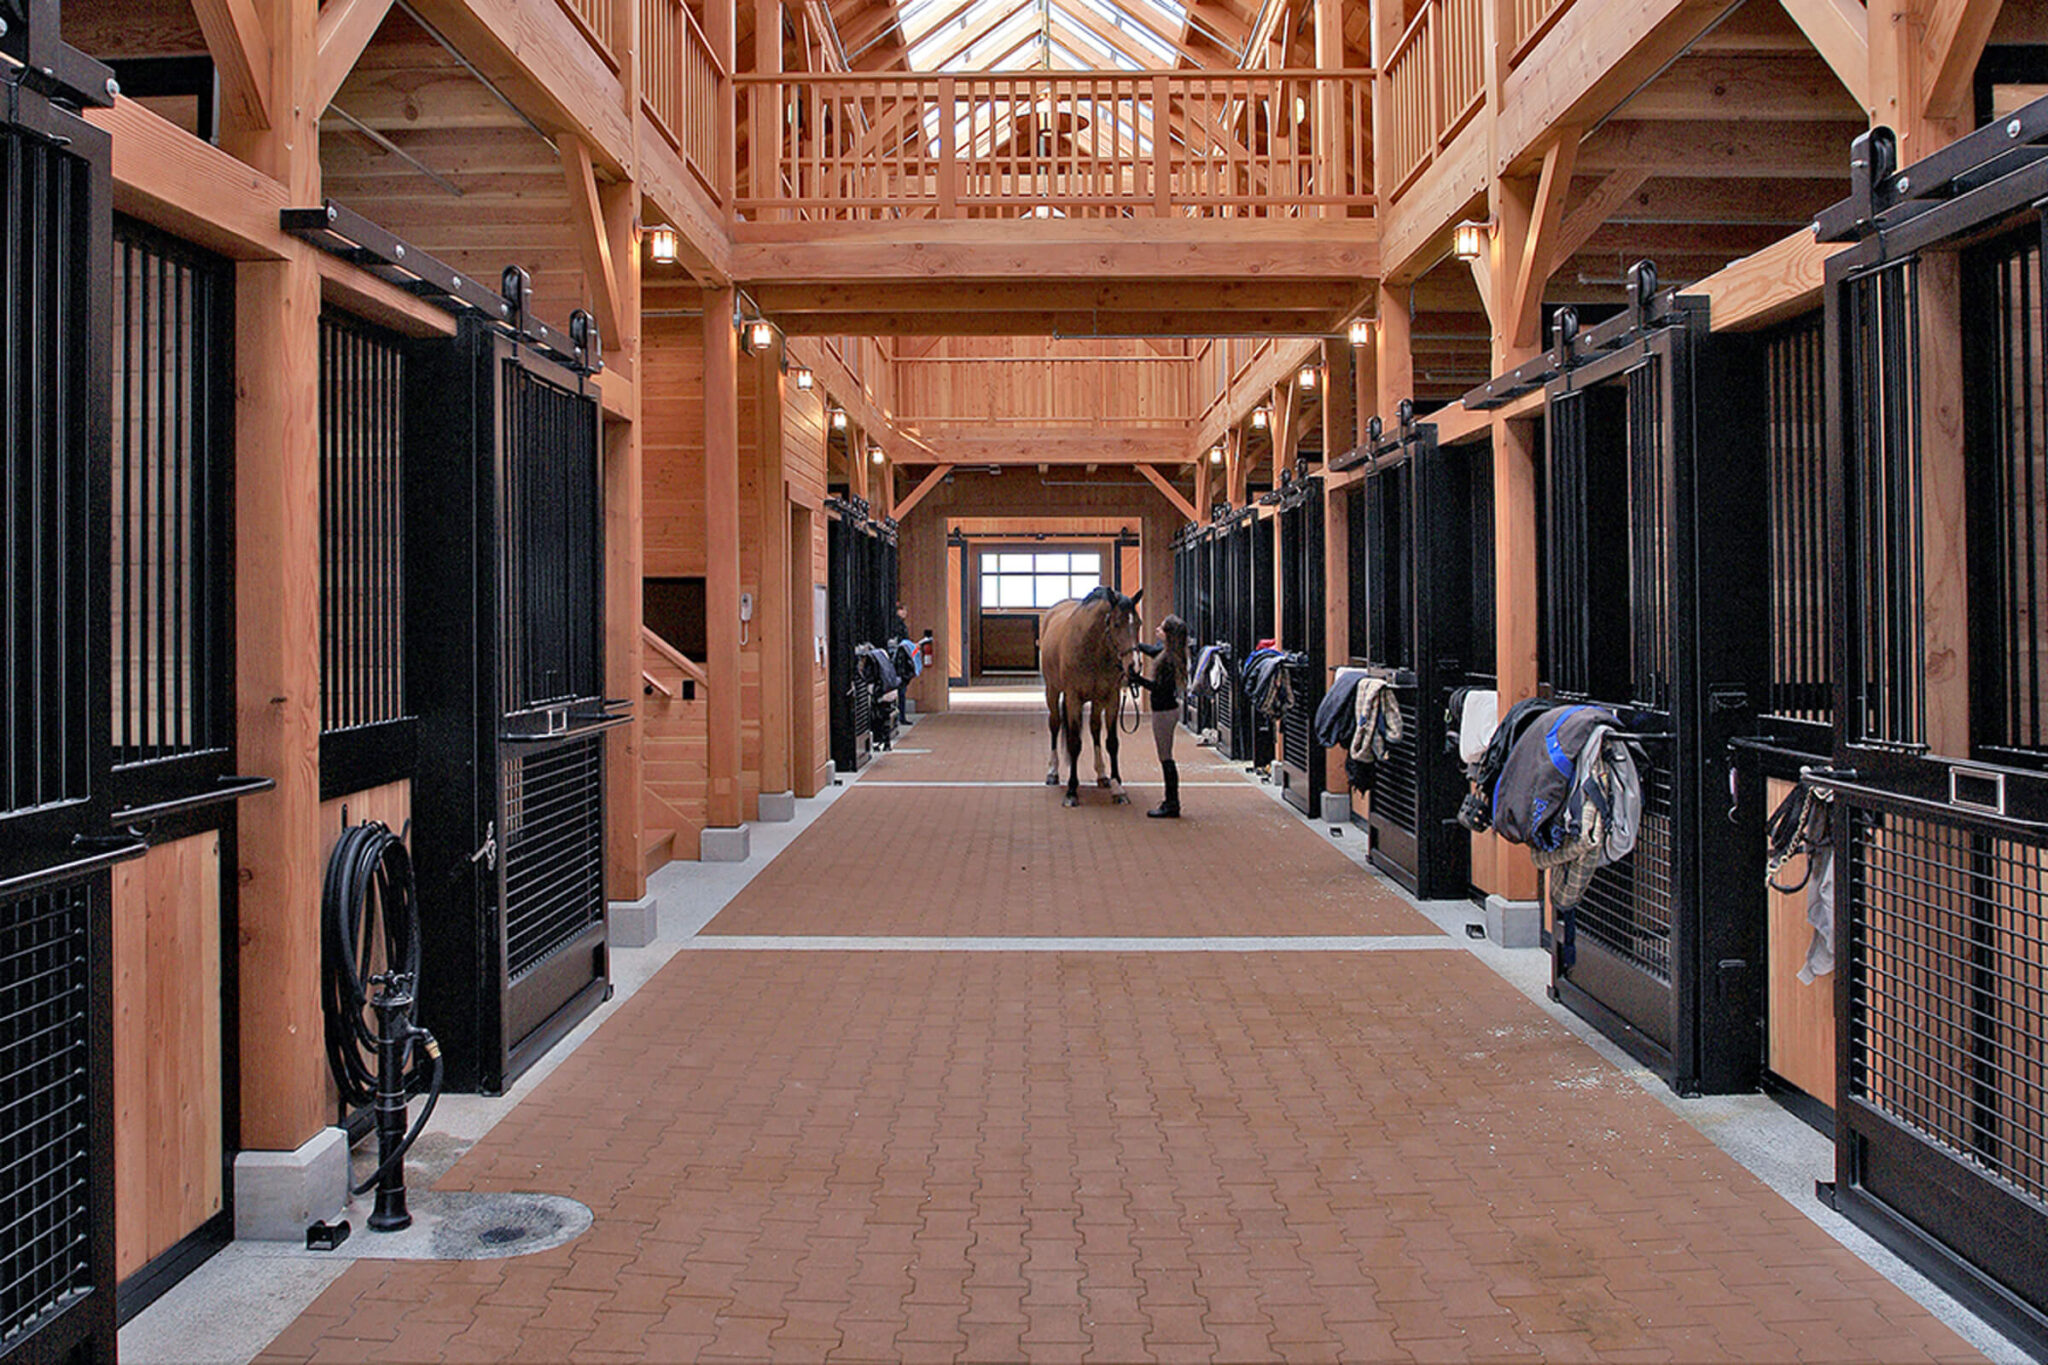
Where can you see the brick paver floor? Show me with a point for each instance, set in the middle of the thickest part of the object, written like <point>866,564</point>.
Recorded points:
<point>1110,1156</point>
<point>1009,743</point>
<point>1010,861</point>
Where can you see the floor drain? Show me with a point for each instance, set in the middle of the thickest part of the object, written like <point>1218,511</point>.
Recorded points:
<point>475,1227</point>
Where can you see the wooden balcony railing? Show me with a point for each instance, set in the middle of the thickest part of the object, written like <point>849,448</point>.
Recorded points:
<point>1045,391</point>
<point>1526,21</point>
<point>603,22</point>
<point>685,91</point>
<point>1093,144</point>
<point>1436,81</point>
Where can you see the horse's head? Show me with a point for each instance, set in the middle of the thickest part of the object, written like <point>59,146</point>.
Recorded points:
<point>1122,620</point>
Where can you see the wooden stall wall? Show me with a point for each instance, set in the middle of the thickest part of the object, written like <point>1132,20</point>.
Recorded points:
<point>804,472</point>
<point>784,716</point>
<point>169,1138</point>
<point>1800,1022</point>
<point>674,804</point>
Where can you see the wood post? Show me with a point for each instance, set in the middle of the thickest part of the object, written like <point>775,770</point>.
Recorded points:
<point>771,624</point>
<point>722,558</point>
<point>284,1080</point>
<point>1340,433</point>
<point>1944,518</point>
<point>624,562</point>
<point>1396,351</point>
<point>277,692</point>
<point>805,671</point>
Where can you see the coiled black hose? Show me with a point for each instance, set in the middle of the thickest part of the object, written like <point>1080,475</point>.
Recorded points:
<point>369,888</point>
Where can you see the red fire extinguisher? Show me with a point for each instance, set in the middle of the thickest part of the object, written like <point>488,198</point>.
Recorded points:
<point>925,647</point>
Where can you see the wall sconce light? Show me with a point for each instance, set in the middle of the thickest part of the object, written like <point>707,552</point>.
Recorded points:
<point>661,245</point>
<point>1307,379</point>
<point>1361,331</point>
<point>875,454</point>
<point>1262,417</point>
<point>760,336</point>
<point>803,378</point>
<point>839,419</point>
<point>1216,453</point>
<point>1468,239</point>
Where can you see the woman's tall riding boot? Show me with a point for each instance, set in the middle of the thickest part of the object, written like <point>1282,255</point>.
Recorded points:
<point>1169,809</point>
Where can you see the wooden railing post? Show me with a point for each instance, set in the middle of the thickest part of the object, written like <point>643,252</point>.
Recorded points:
<point>1162,146</point>
<point>949,152</point>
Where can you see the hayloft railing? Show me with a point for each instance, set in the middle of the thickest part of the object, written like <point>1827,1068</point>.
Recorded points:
<point>1089,144</point>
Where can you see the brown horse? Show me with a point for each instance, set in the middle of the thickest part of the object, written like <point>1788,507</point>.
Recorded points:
<point>1084,647</point>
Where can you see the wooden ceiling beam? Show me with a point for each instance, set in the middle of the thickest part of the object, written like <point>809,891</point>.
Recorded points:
<point>240,47</point>
<point>1193,323</point>
<point>593,244</point>
<point>978,444</point>
<point>1540,251</point>
<point>345,29</point>
<point>995,296</point>
<point>1597,54</point>
<point>1752,150</point>
<point>1169,492</point>
<point>924,486</point>
<point>1840,32</point>
<point>1956,33</point>
<point>1779,282</point>
<point>1732,89</point>
<point>1197,251</point>
<point>1780,203</point>
<point>1595,209</point>
<point>967,37</point>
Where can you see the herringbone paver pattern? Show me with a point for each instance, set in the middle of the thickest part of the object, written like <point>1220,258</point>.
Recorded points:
<point>940,1156</point>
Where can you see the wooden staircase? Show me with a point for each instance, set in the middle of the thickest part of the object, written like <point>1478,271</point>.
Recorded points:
<point>674,791</point>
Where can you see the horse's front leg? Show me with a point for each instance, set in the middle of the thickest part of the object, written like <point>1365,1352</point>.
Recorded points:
<point>1073,728</point>
<point>1053,710</point>
<point>1095,737</point>
<point>1116,772</point>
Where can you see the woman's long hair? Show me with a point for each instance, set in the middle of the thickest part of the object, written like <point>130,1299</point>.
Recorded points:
<point>1176,632</point>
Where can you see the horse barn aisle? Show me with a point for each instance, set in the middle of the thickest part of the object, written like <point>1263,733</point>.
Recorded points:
<point>990,1146</point>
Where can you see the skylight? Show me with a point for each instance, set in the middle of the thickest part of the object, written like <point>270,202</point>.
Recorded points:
<point>980,35</point>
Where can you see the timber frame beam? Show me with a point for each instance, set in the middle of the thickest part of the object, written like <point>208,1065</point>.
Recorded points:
<point>346,27</point>
<point>240,45</point>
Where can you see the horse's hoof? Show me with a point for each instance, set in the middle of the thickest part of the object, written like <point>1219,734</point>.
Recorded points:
<point>1102,782</point>
<point>1052,781</point>
<point>1070,800</point>
<point>1120,800</point>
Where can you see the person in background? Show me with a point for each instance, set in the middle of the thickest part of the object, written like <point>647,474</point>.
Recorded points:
<point>915,659</point>
<point>1168,676</point>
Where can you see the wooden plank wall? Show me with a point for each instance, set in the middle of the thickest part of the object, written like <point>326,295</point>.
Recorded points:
<point>672,421</point>
<point>514,207</point>
<point>1800,1020</point>
<point>168,1153</point>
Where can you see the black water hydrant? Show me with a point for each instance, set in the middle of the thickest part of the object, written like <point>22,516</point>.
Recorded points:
<point>395,1036</point>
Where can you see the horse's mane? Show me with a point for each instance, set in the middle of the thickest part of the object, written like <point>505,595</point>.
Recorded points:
<point>1102,593</point>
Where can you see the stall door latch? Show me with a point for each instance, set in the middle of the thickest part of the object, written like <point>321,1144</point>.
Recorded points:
<point>488,854</point>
